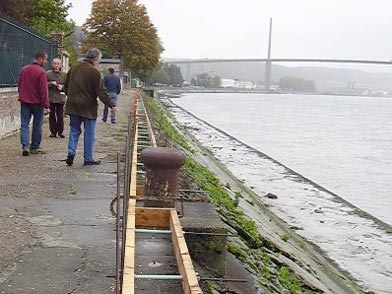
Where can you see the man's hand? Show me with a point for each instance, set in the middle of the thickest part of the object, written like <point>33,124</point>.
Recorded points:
<point>46,111</point>
<point>114,109</point>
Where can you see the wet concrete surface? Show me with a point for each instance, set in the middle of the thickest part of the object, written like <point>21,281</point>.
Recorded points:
<point>155,256</point>
<point>56,231</point>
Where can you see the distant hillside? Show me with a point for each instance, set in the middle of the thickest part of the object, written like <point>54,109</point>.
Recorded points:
<point>327,79</point>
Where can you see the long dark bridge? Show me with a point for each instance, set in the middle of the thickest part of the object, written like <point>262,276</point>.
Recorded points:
<point>208,60</point>
<point>269,61</point>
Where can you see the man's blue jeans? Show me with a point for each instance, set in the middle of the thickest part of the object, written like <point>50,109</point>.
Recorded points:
<point>106,109</point>
<point>26,111</point>
<point>75,123</point>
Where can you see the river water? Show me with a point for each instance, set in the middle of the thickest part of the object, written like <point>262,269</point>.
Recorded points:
<point>343,145</point>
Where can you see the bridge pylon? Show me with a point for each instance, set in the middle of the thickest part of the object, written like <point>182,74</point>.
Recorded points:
<point>268,65</point>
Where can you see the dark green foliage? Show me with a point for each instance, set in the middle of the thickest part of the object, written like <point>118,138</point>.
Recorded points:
<point>251,248</point>
<point>168,74</point>
<point>296,84</point>
<point>45,16</point>
<point>159,118</point>
<point>289,280</point>
<point>123,29</point>
<point>207,80</point>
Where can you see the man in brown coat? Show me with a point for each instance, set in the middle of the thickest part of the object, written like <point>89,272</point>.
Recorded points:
<point>83,85</point>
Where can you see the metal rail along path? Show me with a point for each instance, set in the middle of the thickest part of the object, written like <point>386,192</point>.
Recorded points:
<point>151,253</point>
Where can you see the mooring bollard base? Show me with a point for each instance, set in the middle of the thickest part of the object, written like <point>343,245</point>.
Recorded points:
<point>162,174</point>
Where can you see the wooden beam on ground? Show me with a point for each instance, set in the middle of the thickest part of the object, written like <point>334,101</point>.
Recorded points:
<point>140,190</point>
<point>128,286</point>
<point>190,283</point>
<point>151,131</point>
<point>133,181</point>
<point>153,217</point>
<point>128,282</point>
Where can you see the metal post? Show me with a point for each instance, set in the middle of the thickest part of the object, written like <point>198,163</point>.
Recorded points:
<point>127,176</point>
<point>188,71</point>
<point>118,252</point>
<point>159,277</point>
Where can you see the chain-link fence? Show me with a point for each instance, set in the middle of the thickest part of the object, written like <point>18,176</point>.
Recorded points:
<point>18,45</point>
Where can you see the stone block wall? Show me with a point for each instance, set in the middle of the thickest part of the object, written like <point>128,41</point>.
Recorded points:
<point>9,113</point>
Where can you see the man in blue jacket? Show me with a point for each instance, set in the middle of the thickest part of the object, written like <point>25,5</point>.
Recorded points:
<point>113,87</point>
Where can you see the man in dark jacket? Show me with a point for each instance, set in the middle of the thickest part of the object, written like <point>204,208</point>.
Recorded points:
<point>34,101</point>
<point>83,85</point>
<point>56,80</point>
<point>113,86</point>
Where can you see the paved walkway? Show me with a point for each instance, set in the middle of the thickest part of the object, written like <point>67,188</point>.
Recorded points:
<point>56,231</point>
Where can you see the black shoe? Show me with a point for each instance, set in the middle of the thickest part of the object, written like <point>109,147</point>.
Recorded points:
<point>61,136</point>
<point>94,162</point>
<point>70,159</point>
<point>52,136</point>
<point>25,151</point>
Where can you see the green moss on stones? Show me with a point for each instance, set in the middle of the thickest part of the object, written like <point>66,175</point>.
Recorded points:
<point>256,252</point>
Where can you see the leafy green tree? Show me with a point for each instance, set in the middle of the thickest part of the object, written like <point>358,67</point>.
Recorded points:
<point>45,16</point>
<point>19,10</point>
<point>174,74</point>
<point>207,80</point>
<point>168,74</point>
<point>202,80</point>
<point>296,84</point>
<point>122,29</point>
<point>159,77</point>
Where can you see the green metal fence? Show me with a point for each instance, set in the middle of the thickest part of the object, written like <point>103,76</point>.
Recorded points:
<point>18,45</point>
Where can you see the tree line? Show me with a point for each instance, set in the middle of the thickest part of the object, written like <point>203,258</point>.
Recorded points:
<point>120,28</point>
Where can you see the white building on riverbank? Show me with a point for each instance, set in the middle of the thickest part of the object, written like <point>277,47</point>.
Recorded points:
<point>238,84</point>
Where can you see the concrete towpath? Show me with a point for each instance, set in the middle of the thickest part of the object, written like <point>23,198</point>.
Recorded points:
<point>56,231</point>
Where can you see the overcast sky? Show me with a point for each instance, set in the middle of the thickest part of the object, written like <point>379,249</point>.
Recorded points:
<point>354,29</point>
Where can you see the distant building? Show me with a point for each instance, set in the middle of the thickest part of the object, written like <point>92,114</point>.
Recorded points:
<point>244,84</point>
<point>65,61</point>
<point>237,84</point>
<point>227,83</point>
<point>354,91</point>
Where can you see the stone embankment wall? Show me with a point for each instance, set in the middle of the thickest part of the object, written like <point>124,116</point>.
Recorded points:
<point>9,113</point>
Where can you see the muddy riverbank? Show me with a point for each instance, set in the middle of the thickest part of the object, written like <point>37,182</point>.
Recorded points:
<point>282,248</point>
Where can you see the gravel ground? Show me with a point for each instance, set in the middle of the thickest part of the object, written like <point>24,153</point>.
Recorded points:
<point>38,188</point>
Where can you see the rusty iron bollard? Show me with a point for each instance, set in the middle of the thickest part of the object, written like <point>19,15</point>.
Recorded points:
<point>162,166</point>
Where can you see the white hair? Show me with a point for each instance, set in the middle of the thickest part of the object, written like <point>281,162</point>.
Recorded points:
<point>94,54</point>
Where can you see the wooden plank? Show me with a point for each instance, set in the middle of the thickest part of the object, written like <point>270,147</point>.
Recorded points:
<point>153,140</point>
<point>140,191</point>
<point>133,181</point>
<point>153,217</point>
<point>190,283</point>
<point>128,286</point>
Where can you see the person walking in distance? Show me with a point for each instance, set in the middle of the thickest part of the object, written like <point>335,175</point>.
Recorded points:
<point>56,79</point>
<point>82,86</point>
<point>113,87</point>
<point>34,101</point>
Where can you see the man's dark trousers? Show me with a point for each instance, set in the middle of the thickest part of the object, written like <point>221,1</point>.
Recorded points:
<point>56,118</point>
